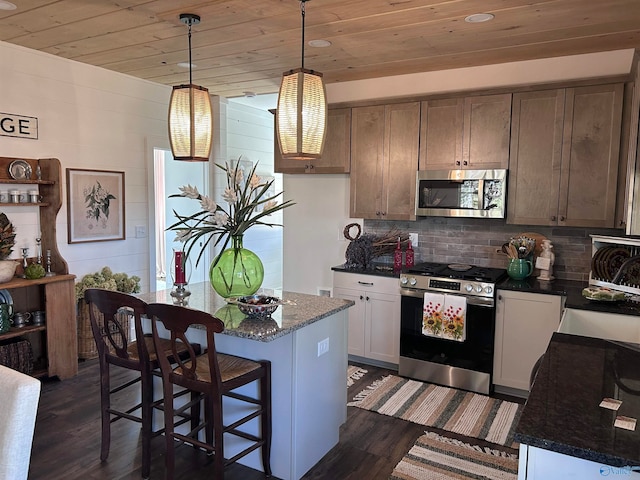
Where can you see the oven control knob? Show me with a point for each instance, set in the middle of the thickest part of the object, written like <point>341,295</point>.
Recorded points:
<point>413,281</point>
<point>488,289</point>
<point>479,288</point>
<point>468,287</point>
<point>403,280</point>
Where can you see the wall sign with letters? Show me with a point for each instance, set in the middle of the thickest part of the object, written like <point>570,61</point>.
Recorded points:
<point>18,126</point>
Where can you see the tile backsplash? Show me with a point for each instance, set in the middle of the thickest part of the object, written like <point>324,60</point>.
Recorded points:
<point>477,242</point>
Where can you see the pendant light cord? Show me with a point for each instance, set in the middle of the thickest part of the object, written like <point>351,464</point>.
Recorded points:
<point>302,9</point>
<point>190,78</point>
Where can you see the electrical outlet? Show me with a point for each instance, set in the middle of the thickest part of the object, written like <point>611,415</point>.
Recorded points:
<point>324,292</point>
<point>414,239</point>
<point>141,231</point>
<point>323,346</point>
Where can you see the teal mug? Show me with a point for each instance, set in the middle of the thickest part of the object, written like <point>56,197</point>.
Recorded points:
<point>519,268</point>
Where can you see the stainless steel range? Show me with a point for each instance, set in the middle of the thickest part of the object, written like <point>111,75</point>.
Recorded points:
<point>464,362</point>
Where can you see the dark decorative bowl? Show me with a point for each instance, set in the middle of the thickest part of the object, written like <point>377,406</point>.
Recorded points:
<point>257,306</point>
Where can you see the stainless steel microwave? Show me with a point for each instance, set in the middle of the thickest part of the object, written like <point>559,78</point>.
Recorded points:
<point>461,193</point>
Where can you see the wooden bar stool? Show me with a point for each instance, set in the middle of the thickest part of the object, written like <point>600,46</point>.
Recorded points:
<point>109,312</point>
<point>215,375</point>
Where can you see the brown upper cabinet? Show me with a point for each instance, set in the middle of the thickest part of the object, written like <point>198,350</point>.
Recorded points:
<point>565,147</point>
<point>336,153</point>
<point>384,161</point>
<point>465,133</point>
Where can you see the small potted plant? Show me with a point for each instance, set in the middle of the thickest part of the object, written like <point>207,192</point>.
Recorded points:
<point>107,280</point>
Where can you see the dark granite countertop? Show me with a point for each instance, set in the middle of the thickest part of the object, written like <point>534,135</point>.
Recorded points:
<point>533,285</point>
<point>573,291</point>
<point>380,270</point>
<point>562,413</point>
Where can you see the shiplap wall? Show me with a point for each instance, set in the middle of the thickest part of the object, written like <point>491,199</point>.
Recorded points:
<point>89,118</point>
<point>92,118</point>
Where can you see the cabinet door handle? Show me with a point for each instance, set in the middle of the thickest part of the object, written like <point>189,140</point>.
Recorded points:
<point>368,284</point>
<point>499,297</point>
<point>465,162</point>
<point>384,213</point>
<point>622,223</point>
<point>377,214</point>
<point>553,218</point>
<point>367,299</point>
<point>361,297</point>
<point>457,162</point>
<point>562,218</point>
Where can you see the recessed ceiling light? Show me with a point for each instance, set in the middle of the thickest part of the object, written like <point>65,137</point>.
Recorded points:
<point>4,5</point>
<point>479,18</point>
<point>319,43</point>
<point>186,65</point>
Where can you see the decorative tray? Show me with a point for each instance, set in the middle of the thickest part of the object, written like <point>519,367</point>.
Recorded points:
<point>258,306</point>
<point>603,294</point>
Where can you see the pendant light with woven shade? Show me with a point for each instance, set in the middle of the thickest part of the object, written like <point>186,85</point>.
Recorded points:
<point>190,118</point>
<point>301,115</point>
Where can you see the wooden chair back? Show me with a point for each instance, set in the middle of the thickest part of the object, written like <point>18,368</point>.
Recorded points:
<point>108,311</point>
<point>176,320</point>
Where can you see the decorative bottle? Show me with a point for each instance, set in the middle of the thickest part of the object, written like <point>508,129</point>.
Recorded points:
<point>397,256</point>
<point>408,256</point>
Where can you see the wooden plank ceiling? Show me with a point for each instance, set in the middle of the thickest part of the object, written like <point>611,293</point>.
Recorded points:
<point>244,45</point>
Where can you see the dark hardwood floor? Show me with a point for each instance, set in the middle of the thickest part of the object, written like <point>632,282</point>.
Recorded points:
<point>67,440</point>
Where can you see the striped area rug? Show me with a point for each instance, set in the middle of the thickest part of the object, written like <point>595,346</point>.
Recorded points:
<point>354,373</point>
<point>434,457</point>
<point>459,411</point>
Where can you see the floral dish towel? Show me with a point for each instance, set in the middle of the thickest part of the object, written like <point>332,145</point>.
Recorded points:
<point>453,318</point>
<point>444,316</point>
<point>432,314</point>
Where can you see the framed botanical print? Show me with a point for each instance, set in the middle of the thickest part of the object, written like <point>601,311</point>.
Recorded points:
<point>95,205</point>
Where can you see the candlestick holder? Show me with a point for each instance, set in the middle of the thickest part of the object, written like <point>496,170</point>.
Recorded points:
<point>180,274</point>
<point>25,263</point>
<point>180,294</point>
<point>48,260</point>
<point>38,250</point>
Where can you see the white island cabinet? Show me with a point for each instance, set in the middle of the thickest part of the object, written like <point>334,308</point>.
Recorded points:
<point>540,464</point>
<point>374,321</point>
<point>306,343</point>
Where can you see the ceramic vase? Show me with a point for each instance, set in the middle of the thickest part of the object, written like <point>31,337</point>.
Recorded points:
<point>237,272</point>
<point>519,268</point>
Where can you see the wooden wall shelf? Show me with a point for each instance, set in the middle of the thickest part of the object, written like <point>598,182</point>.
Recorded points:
<point>55,343</point>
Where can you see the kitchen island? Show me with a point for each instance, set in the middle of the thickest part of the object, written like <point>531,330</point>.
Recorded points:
<point>306,342</point>
<point>564,432</point>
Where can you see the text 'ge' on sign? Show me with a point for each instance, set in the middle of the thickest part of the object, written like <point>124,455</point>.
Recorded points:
<point>18,126</point>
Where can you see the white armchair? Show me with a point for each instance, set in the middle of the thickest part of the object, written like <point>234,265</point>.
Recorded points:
<point>19,396</point>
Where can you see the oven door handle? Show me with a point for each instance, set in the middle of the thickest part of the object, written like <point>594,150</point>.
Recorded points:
<point>471,300</point>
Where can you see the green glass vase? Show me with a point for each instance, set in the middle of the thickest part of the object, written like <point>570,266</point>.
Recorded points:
<point>237,272</point>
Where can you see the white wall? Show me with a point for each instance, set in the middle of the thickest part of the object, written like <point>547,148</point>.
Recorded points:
<point>88,118</point>
<point>311,235</point>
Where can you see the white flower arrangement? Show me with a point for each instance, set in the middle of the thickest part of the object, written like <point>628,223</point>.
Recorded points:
<point>248,203</point>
